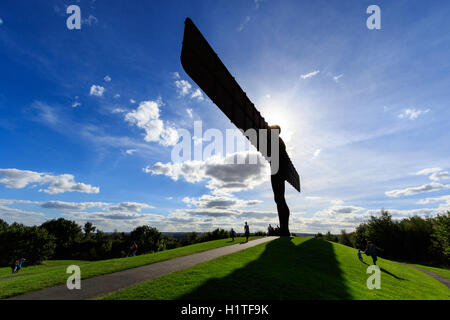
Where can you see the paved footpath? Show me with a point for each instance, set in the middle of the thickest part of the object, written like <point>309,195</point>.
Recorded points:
<point>431,274</point>
<point>102,285</point>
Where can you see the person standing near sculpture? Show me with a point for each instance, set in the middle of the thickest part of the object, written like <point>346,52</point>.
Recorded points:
<point>246,231</point>
<point>232,234</point>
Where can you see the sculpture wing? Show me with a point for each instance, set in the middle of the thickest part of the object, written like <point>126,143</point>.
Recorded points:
<point>206,69</point>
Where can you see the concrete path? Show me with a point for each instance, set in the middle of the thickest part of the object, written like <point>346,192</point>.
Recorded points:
<point>438,277</point>
<point>102,285</point>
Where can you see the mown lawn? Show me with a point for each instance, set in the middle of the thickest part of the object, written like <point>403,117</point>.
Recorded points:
<point>289,269</point>
<point>53,273</point>
<point>46,266</point>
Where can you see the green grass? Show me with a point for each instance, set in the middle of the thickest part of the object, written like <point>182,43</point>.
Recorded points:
<point>290,269</point>
<point>440,271</point>
<point>46,266</point>
<point>53,273</point>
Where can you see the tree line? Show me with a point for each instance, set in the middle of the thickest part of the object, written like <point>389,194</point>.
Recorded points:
<point>414,239</point>
<point>63,239</point>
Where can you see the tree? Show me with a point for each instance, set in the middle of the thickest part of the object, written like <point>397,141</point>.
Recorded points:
<point>346,239</point>
<point>441,236</point>
<point>3,225</point>
<point>88,229</point>
<point>147,238</point>
<point>190,238</point>
<point>415,242</point>
<point>67,235</point>
<point>331,237</point>
<point>32,243</point>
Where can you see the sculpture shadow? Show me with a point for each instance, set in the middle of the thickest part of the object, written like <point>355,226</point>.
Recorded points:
<point>284,271</point>
<point>385,271</point>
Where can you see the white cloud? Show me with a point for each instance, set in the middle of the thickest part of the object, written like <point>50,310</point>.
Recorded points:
<point>309,75</point>
<point>197,94</point>
<point>97,91</point>
<point>129,207</point>
<point>99,217</point>
<point>337,210</point>
<point>12,201</point>
<point>146,117</point>
<point>412,114</point>
<point>76,104</point>
<point>222,176</point>
<point>243,24</point>
<point>119,110</point>
<point>19,179</point>
<point>189,112</point>
<point>17,213</point>
<point>176,75</point>
<point>116,96</point>
<point>130,151</point>
<point>435,200</point>
<point>90,20</point>
<point>219,202</point>
<point>336,78</point>
<point>1,21</point>
<point>429,187</point>
<point>317,153</point>
<point>107,78</point>
<point>132,101</point>
<point>184,87</point>
<point>61,205</point>
<point>437,176</point>
<point>428,171</point>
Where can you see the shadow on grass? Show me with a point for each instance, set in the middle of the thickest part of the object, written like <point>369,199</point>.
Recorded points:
<point>385,271</point>
<point>283,271</point>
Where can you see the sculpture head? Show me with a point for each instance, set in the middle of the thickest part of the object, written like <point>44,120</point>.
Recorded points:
<point>275,127</point>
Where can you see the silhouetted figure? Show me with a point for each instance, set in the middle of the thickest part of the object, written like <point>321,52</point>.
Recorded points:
<point>270,231</point>
<point>371,250</point>
<point>278,188</point>
<point>134,249</point>
<point>232,234</point>
<point>246,231</point>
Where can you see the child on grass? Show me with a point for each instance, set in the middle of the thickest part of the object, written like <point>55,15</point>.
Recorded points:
<point>360,255</point>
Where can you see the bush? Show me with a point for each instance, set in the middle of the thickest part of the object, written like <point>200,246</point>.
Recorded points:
<point>32,243</point>
<point>346,238</point>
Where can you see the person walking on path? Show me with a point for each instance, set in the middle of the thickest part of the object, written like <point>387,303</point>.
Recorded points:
<point>246,231</point>
<point>371,250</point>
<point>232,234</point>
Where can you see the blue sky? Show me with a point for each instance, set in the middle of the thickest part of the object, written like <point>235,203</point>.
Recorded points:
<point>88,118</point>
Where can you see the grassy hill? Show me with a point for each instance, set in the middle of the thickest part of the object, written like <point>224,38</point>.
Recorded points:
<point>289,268</point>
<point>52,273</point>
